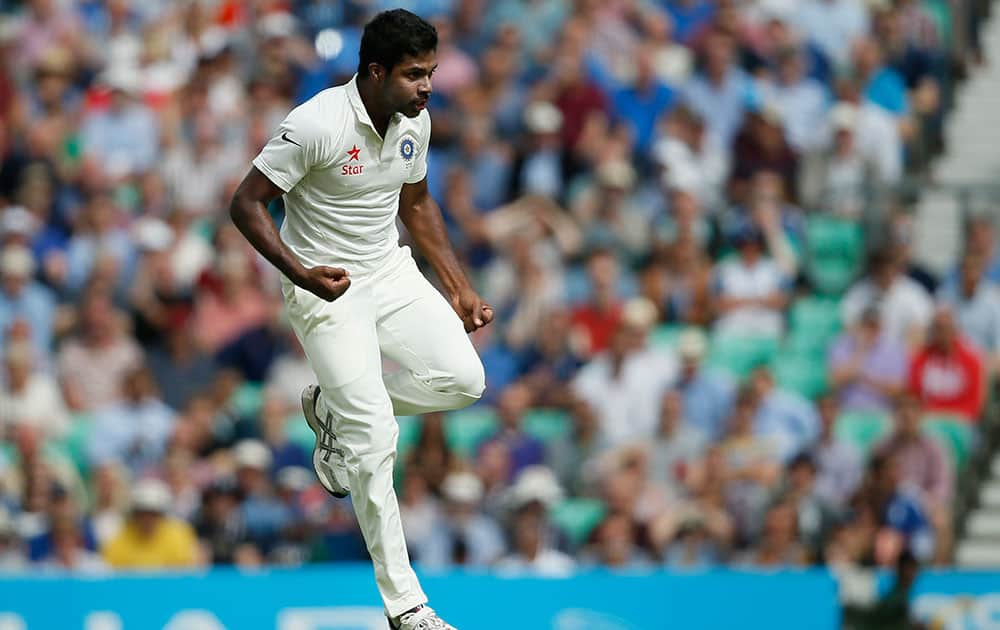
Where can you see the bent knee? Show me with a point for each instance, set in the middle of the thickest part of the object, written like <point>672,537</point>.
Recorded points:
<point>466,383</point>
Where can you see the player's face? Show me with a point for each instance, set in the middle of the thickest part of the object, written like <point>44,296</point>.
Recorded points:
<point>408,87</point>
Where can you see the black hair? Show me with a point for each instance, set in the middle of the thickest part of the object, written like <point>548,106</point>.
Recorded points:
<point>392,35</point>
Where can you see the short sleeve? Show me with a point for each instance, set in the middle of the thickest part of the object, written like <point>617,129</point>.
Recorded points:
<point>295,148</point>
<point>419,170</point>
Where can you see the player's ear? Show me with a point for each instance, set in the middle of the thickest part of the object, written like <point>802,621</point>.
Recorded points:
<point>376,71</point>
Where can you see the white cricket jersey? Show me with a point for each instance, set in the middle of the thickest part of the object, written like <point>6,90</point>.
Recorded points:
<point>341,180</point>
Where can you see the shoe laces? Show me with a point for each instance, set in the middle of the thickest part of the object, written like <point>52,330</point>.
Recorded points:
<point>426,619</point>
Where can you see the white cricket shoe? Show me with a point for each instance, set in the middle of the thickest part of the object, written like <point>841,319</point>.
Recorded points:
<point>422,619</point>
<point>328,456</point>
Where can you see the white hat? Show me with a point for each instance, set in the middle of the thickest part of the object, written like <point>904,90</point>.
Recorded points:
<point>462,487</point>
<point>640,312</point>
<point>691,344</point>
<point>844,116</point>
<point>543,117</point>
<point>535,483</point>
<point>295,478</point>
<point>121,77</point>
<point>252,454</point>
<point>18,261</point>
<point>18,220</point>
<point>616,174</point>
<point>277,24</point>
<point>150,495</point>
<point>152,234</point>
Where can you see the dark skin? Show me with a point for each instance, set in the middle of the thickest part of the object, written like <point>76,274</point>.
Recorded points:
<point>404,89</point>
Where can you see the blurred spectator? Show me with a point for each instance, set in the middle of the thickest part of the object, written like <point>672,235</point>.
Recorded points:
<point>784,416</point>
<point>419,510</point>
<point>68,551</point>
<point>778,545</point>
<point>99,244</point>
<point>948,375</point>
<point>867,368</point>
<point>12,555</point>
<point>624,385</point>
<point>980,240</point>
<point>721,92</point>
<point>568,458</point>
<point>800,100</point>
<point>615,544</point>
<point>975,302</point>
<point>135,430</point>
<point>751,290</point>
<point>815,517</point>
<point>692,159</point>
<point>219,522</point>
<point>677,444</point>
<point>920,459</point>
<point>181,369</point>
<point>525,450</point>
<point>30,395</point>
<point>22,300</point>
<point>904,306</point>
<point>466,537</point>
<point>707,395</point>
<point>839,465</point>
<point>151,538</point>
<point>641,104</point>
<point>123,138</point>
<point>235,307</point>
<point>598,318</point>
<point>831,23</point>
<point>100,339</point>
<point>529,552</point>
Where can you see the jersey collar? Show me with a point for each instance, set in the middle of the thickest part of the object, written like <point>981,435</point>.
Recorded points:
<point>354,96</point>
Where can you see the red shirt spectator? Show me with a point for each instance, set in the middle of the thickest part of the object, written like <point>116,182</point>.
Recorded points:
<point>947,374</point>
<point>597,319</point>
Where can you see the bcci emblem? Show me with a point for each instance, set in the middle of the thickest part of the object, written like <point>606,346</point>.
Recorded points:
<point>406,149</point>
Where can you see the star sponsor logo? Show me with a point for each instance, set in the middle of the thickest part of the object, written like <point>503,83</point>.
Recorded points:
<point>353,169</point>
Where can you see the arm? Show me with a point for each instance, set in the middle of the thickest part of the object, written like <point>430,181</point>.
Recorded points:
<point>422,218</point>
<point>248,211</point>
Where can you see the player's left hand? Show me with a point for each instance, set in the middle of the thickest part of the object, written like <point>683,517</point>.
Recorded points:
<point>471,309</point>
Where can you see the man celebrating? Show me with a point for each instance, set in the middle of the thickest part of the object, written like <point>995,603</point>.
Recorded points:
<point>345,162</point>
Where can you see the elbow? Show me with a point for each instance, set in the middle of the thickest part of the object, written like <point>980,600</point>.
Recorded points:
<point>237,206</point>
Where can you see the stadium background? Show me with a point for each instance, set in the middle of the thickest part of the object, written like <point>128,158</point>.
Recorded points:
<point>742,256</point>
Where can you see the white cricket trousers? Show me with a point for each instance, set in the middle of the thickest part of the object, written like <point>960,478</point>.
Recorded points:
<point>390,309</point>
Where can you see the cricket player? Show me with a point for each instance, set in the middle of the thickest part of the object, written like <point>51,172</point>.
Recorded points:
<point>347,162</point>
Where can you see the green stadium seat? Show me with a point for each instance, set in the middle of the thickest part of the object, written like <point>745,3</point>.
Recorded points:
<point>665,336</point>
<point>738,356</point>
<point>247,400</point>
<point>835,251</point>
<point>409,434</point>
<point>863,429</point>
<point>74,444</point>
<point>800,373</point>
<point>548,425</point>
<point>578,517</point>
<point>955,435</point>
<point>298,432</point>
<point>831,277</point>
<point>466,429</point>
<point>815,315</point>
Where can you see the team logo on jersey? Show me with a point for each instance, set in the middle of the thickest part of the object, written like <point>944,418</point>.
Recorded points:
<point>406,149</point>
<point>353,169</point>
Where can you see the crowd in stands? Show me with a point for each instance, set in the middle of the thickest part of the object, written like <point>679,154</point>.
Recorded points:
<point>712,343</point>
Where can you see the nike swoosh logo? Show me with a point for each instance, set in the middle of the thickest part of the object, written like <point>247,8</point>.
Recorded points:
<point>285,137</point>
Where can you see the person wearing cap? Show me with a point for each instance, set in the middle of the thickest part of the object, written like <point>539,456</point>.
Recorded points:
<point>707,396</point>
<point>539,164</point>
<point>625,383</point>
<point>151,537</point>
<point>22,299</point>
<point>465,536</point>
<point>751,289</point>
<point>124,138</point>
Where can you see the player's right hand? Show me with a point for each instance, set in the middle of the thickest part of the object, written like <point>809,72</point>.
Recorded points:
<point>328,283</point>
